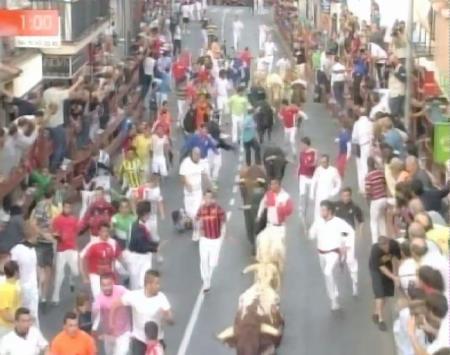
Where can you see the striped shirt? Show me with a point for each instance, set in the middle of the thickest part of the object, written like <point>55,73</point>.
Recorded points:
<point>130,171</point>
<point>375,185</point>
<point>180,91</point>
<point>212,218</point>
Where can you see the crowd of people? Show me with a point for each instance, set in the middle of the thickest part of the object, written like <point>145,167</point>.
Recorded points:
<point>360,78</point>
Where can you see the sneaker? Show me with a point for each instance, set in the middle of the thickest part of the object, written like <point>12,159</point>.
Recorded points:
<point>334,305</point>
<point>195,237</point>
<point>159,259</point>
<point>375,318</point>
<point>382,326</point>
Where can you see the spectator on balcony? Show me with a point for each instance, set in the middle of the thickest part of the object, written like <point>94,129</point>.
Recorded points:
<point>397,89</point>
<point>54,98</point>
<point>21,107</point>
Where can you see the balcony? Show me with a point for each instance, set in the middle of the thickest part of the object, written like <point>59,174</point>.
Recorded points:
<point>78,17</point>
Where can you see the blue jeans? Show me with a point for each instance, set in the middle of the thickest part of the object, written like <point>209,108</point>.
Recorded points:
<point>58,137</point>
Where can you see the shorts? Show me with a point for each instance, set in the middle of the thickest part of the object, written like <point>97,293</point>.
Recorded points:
<point>186,20</point>
<point>159,166</point>
<point>45,254</point>
<point>382,285</point>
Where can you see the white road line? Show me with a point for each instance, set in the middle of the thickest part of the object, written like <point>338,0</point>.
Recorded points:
<point>235,188</point>
<point>231,203</point>
<point>191,324</point>
<point>228,215</point>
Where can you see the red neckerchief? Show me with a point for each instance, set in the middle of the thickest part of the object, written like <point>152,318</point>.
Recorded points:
<point>271,198</point>
<point>152,348</point>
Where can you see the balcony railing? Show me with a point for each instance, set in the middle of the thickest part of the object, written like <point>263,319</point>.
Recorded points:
<point>77,16</point>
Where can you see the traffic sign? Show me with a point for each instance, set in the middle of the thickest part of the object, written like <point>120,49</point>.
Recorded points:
<point>41,23</point>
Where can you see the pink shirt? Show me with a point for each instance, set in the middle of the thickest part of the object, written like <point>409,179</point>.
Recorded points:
<point>101,310</point>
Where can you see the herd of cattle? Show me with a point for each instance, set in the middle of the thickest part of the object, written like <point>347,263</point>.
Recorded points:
<point>258,324</point>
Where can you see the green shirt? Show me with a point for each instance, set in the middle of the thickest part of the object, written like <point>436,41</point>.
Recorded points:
<point>316,60</point>
<point>122,225</point>
<point>238,105</point>
<point>41,183</point>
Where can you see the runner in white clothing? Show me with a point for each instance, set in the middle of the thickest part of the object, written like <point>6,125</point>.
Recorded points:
<point>326,183</point>
<point>331,234</point>
<point>238,26</point>
<point>223,86</point>
<point>161,146</point>
<point>192,173</point>
<point>269,50</point>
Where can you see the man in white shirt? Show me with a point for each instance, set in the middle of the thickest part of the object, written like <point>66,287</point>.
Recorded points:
<point>160,149</point>
<point>147,305</point>
<point>381,104</point>
<point>331,233</point>
<point>238,26</point>
<point>24,254</point>
<point>263,32</point>
<point>269,51</point>
<point>380,56</point>
<point>186,15</point>
<point>223,86</point>
<point>25,339</point>
<point>338,71</point>
<point>326,183</point>
<point>362,135</point>
<point>193,174</point>
<point>53,99</point>
<point>279,206</point>
<point>149,70</point>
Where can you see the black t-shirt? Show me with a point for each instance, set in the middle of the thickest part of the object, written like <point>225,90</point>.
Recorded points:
<point>23,107</point>
<point>351,213</point>
<point>379,258</point>
<point>300,56</point>
<point>204,24</point>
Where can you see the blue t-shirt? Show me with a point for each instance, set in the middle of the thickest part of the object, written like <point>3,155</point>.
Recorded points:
<point>395,141</point>
<point>248,128</point>
<point>344,139</point>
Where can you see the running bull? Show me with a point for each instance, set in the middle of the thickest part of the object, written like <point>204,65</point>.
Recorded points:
<point>258,324</point>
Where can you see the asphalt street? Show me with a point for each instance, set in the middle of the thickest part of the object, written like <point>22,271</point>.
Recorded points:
<point>311,328</point>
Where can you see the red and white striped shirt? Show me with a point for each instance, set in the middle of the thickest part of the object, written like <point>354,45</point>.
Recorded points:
<point>279,207</point>
<point>375,185</point>
<point>212,218</point>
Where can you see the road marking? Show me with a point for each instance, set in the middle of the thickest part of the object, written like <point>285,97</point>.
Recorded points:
<point>231,203</point>
<point>235,188</point>
<point>228,215</point>
<point>192,321</point>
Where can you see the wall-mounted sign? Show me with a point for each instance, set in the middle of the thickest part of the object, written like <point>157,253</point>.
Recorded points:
<point>64,66</point>
<point>38,42</point>
<point>39,23</point>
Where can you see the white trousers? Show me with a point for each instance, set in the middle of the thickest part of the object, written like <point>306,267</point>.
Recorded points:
<point>159,165</point>
<point>304,186</point>
<point>236,127</point>
<point>352,263</point>
<point>361,166</point>
<point>64,258</point>
<point>215,162</point>
<point>192,202</point>
<point>181,104</point>
<point>269,59</point>
<point>328,264</point>
<point>377,213</point>
<point>209,256</point>
<point>30,300</point>
<point>262,39</point>
<point>289,136</point>
<point>138,264</point>
<point>222,102</point>
<point>117,345</point>
<point>198,10</point>
<point>236,40</point>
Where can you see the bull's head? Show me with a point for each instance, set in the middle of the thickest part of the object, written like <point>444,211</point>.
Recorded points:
<point>228,335</point>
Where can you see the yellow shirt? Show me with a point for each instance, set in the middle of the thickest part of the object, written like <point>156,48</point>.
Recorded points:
<point>143,146</point>
<point>9,299</point>
<point>440,235</point>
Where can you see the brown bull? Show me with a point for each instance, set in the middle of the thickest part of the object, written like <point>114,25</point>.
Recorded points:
<point>255,333</point>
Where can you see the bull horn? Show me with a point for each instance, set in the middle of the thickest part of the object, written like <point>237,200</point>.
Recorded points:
<point>269,330</point>
<point>271,157</point>
<point>241,181</point>
<point>261,180</point>
<point>250,268</point>
<point>226,334</point>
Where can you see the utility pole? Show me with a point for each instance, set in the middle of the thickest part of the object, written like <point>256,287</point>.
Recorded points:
<point>409,64</point>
